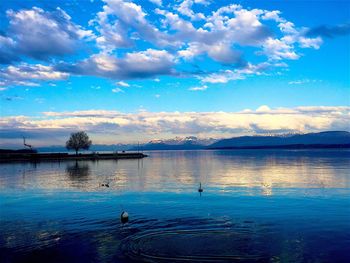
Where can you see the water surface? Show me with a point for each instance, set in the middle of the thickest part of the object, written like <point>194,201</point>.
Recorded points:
<point>257,206</point>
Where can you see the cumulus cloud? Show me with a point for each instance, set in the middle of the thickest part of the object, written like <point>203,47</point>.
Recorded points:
<point>120,17</point>
<point>134,65</point>
<point>185,8</point>
<point>134,43</point>
<point>161,124</point>
<point>28,75</point>
<point>217,36</point>
<point>220,52</point>
<point>41,34</point>
<point>277,49</point>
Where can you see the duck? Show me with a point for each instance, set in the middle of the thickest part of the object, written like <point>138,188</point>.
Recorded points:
<point>105,184</point>
<point>124,217</point>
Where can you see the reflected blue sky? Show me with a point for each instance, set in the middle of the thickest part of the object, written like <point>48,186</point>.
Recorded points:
<point>181,171</point>
<point>276,206</point>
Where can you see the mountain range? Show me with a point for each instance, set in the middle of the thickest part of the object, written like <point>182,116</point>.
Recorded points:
<point>309,140</point>
<point>328,139</point>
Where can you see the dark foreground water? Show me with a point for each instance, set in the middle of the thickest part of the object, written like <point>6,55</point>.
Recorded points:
<point>257,206</point>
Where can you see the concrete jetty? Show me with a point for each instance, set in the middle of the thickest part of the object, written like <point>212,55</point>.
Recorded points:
<point>37,157</point>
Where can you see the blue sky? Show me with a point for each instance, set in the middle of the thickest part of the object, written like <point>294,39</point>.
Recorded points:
<point>129,71</point>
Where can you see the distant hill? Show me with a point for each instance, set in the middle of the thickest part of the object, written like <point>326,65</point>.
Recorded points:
<point>310,140</point>
<point>5,151</point>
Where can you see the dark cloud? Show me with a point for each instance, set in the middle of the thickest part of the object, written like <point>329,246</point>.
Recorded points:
<point>18,133</point>
<point>7,50</point>
<point>329,31</point>
<point>254,127</point>
<point>104,127</point>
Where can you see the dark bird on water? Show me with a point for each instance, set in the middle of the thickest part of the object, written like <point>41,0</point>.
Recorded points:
<point>105,184</point>
<point>124,217</point>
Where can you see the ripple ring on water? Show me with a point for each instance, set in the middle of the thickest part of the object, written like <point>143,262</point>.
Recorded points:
<point>135,247</point>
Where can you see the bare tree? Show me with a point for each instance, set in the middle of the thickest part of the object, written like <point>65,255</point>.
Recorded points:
<point>78,140</point>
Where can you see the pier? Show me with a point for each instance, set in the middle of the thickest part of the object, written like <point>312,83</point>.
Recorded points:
<point>37,157</point>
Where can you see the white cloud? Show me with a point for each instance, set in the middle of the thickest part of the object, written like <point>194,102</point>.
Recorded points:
<point>220,52</point>
<point>273,15</point>
<point>156,2</point>
<point>117,90</point>
<point>277,49</point>
<point>240,73</point>
<point>117,15</point>
<point>144,64</point>
<point>199,88</point>
<point>287,27</point>
<point>174,33</point>
<point>305,42</point>
<point>161,124</point>
<point>263,108</point>
<point>40,34</point>
<point>27,74</point>
<point>123,84</point>
<point>185,8</point>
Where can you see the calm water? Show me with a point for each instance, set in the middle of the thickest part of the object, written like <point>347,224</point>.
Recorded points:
<point>257,206</point>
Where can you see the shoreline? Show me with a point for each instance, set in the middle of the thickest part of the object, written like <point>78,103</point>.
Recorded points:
<point>38,157</point>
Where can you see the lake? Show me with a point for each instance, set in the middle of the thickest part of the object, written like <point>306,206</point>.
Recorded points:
<point>257,206</point>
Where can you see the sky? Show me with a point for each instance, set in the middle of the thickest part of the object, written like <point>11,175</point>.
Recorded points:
<point>129,71</point>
